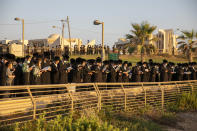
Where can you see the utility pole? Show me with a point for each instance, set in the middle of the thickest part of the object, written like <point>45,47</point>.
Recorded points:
<point>62,43</point>
<point>103,48</point>
<point>23,47</point>
<point>69,35</point>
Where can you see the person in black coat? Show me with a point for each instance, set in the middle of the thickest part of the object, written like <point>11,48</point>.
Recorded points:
<point>145,73</point>
<point>46,75</point>
<point>87,72</point>
<point>153,72</point>
<point>125,71</point>
<point>112,70</point>
<point>187,72</point>
<point>18,80</point>
<point>77,71</point>
<point>97,71</point>
<point>180,72</point>
<point>77,74</point>
<point>170,71</point>
<point>164,71</point>
<point>105,70</point>
<point>63,71</point>
<point>119,71</point>
<point>137,72</point>
<point>3,72</point>
<point>55,71</point>
<point>193,71</point>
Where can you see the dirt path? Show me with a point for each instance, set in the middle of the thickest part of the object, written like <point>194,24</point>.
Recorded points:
<point>186,122</point>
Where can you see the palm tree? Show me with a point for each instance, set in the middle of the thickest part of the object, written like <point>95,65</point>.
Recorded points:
<point>187,43</point>
<point>140,34</point>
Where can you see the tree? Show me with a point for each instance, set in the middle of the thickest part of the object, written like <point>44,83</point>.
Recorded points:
<point>140,34</point>
<point>131,49</point>
<point>187,43</point>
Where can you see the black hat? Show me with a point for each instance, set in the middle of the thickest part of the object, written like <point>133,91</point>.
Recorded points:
<point>35,54</point>
<point>79,60</point>
<point>139,63</point>
<point>106,62</point>
<point>165,61</point>
<point>9,57</point>
<point>125,62</point>
<point>66,57</point>
<point>98,59</point>
<point>47,55</point>
<point>129,64</point>
<point>91,61</point>
<point>56,58</point>
<point>72,61</point>
<point>150,60</point>
<point>119,61</point>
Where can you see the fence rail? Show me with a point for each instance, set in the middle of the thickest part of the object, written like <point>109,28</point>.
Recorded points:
<point>23,103</point>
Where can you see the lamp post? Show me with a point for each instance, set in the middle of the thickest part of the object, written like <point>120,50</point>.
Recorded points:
<point>62,40</point>
<point>23,49</point>
<point>97,22</point>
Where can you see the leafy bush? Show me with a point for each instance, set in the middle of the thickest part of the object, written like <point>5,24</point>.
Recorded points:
<point>131,49</point>
<point>184,102</point>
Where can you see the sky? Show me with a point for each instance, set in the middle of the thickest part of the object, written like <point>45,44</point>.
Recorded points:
<point>117,15</point>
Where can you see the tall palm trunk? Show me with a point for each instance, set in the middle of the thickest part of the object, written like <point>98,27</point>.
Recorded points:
<point>142,57</point>
<point>142,52</point>
<point>190,57</point>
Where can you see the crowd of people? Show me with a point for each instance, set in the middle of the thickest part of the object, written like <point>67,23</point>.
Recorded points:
<point>38,70</point>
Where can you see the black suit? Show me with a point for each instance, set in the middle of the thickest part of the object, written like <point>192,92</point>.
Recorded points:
<point>2,74</point>
<point>46,76</point>
<point>63,74</point>
<point>164,73</point>
<point>54,74</point>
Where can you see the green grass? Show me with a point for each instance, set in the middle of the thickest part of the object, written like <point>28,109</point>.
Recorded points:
<point>89,120</point>
<point>136,58</point>
<point>184,102</point>
<point>147,119</point>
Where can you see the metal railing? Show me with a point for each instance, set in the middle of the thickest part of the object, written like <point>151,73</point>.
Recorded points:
<point>23,103</point>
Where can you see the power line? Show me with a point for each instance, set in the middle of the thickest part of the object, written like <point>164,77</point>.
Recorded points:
<point>38,22</point>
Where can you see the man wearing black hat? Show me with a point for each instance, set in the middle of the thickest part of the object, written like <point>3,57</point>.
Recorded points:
<point>164,71</point>
<point>119,71</point>
<point>3,71</point>
<point>179,72</point>
<point>78,71</point>
<point>55,71</point>
<point>125,71</point>
<point>46,75</point>
<point>97,71</point>
<point>112,69</point>
<point>18,80</point>
<point>63,70</point>
<point>145,72</point>
<point>153,72</point>
<point>193,71</point>
<point>87,71</point>
<point>137,72</point>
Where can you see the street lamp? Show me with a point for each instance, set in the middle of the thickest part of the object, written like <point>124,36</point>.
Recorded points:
<point>62,40</point>
<point>97,22</point>
<point>19,19</point>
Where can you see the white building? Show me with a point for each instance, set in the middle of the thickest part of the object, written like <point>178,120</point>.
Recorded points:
<point>14,42</point>
<point>56,41</point>
<point>121,42</point>
<point>166,41</point>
